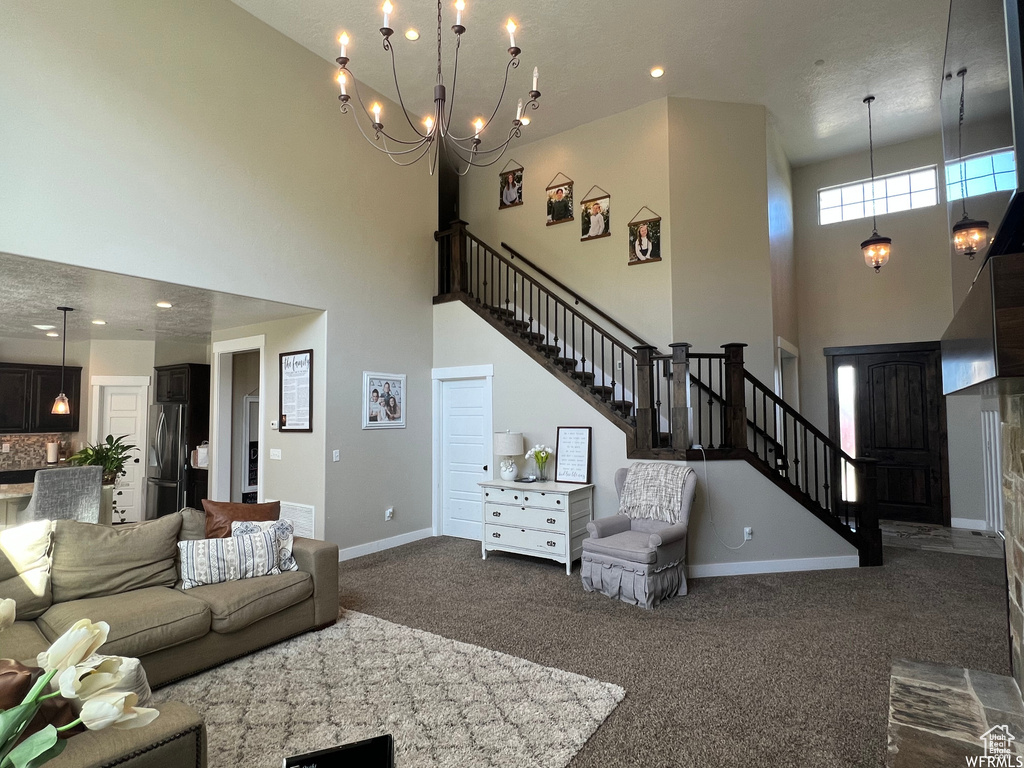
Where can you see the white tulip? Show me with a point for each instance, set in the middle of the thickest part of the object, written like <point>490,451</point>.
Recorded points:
<point>83,681</point>
<point>115,709</point>
<point>8,611</point>
<point>78,643</point>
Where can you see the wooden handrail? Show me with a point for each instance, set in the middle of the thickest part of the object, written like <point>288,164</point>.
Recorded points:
<point>576,297</point>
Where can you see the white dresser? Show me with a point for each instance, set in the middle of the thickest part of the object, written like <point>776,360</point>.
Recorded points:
<point>540,519</point>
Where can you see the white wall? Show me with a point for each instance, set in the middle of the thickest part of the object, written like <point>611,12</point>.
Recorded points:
<point>191,143</point>
<point>530,400</point>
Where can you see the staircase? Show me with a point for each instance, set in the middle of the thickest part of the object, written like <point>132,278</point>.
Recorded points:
<point>664,403</point>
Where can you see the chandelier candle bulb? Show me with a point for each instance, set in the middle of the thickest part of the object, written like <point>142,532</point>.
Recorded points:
<point>459,8</point>
<point>341,82</point>
<point>536,76</point>
<point>479,125</point>
<point>344,41</point>
<point>511,27</point>
<point>376,113</point>
<point>387,8</point>
<point>429,122</point>
<point>519,110</point>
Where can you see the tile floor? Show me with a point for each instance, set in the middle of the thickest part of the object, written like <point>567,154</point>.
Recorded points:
<point>938,539</point>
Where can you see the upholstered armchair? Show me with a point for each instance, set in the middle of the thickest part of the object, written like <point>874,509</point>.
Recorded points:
<point>71,493</point>
<point>639,555</point>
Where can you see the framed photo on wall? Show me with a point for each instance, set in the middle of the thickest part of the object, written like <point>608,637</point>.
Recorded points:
<point>510,188</point>
<point>644,241</point>
<point>559,203</point>
<point>383,400</point>
<point>295,391</point>
<point>595,217</point>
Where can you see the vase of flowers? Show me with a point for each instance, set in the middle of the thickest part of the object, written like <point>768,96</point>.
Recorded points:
<point>71,671</point>
<point>540,455</point>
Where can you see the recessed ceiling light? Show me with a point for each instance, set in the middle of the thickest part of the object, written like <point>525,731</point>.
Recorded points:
<point>819,62</point>
<point>657,72</point>
<point>412,34</point>
<point>53,334</point>
<point>99,322</point>
<point>164,304</point>
<point>44,327</point>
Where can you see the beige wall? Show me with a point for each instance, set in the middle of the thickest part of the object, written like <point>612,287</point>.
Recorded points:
<point>174,352</point>
<point>780,240</point>
<point>189,142</point>
<point>626,155</point>
<point>721,268</point>
<point>529,399</point>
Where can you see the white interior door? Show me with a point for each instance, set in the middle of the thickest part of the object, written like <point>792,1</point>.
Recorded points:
<point>465,455</point>
<point>123,412</point>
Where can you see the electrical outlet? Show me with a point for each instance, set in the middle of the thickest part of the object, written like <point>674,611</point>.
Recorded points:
<point>275,453</point>
<point>389,513</point>
<point>7,448</point>
<point>337,455</point>
<point>748,533</point>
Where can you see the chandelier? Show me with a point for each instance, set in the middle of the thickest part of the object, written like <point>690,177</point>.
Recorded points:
<point>435,134</point>
<point>876,248</point>
<point>968,234</point>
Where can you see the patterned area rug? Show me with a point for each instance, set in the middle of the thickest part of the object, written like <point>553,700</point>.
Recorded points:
<point>446,703</point>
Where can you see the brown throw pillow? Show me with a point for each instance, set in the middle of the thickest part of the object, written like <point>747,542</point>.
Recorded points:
<point>16,680</point>
<point>220,515</point>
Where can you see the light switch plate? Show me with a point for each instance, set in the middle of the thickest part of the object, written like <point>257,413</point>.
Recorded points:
<point>275,453</point>
<point>337,455</point>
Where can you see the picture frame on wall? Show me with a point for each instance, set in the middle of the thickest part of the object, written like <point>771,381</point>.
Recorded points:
<point>295,391</point>
<point>595,218</point>
<point>644,241</point>
<point>572,455</point>
<point>559,203</point>
<point>384,400</point>
<point>510,188</point>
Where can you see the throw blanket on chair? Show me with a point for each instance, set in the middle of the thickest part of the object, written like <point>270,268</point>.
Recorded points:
<point>654,491</point>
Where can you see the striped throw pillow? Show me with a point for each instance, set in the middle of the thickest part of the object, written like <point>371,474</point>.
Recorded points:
<point>212,561</point>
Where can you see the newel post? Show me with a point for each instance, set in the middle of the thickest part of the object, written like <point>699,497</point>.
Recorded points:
<point>870,533</point>
<point>735,397</point>
<point>645,414</point>
<point>459,272</point>
<point>680,395</point>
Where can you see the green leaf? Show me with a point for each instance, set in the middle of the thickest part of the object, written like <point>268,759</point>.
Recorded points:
<point>37,749</point>
<point>11,720</point>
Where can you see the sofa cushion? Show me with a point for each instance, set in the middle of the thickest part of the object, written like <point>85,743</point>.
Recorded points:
<point>220,515</point>
<point>22,641</point>
<point>95,560</point>
<point>141,622</point>
<point>628,545</point>
<point>235,605</point>
<point>25,567</point>
<point>283,529</point>
<point>193,524</point>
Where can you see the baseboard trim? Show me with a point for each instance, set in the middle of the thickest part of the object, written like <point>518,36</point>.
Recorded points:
<point>381,544</point>
<point>773,566</point>
<point>968,523</point>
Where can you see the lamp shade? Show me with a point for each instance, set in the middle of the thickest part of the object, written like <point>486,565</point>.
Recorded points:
<point>61,405</point>
<point>508,443</point>
<point>969,235</point>
<point>876,250</point>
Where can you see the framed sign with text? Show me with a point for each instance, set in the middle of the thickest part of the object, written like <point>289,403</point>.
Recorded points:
<point>572,455</point>
<point>295,391</point>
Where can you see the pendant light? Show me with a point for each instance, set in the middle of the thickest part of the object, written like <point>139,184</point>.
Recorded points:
<point>877,247</point>
<point>968,234</point>
<point>60,404</point>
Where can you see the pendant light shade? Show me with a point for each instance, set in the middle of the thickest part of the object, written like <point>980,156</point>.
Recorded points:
<point>876,249</point>
<point>61,407</point>
<point>968,234</point>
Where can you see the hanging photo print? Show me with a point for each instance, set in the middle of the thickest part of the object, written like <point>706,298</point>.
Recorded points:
<point>510,187</point>
<point>595,215</point>
<point>644,238</point>
<point>560,201</point>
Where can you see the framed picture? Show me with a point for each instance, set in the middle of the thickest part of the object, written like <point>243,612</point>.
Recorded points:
<point>572,455</point>
<point>595,217</point>
<point>560,203</point>
<point>644,241</point>
<point>295,391</point>
<point>510,188</point>
<point>383,400</point>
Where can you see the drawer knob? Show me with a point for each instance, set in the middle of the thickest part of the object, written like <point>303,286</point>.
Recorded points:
<point>526,498</point>
<point>551,521</point>
<point>486,493</point>
<point>551,543</point>
<point>516,498</point>
<point>496,514</point>
<point>496,535</point>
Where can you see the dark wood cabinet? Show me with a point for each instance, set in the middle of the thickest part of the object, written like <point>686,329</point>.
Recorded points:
<point>27,393</point>
<point>172,383</point>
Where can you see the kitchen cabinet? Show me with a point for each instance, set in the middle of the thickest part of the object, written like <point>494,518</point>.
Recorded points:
<point>27,393</point>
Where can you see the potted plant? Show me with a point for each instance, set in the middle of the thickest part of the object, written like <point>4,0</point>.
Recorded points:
<point>111,454</point>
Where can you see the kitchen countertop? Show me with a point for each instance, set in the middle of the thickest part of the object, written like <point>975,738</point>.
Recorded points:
<point>15,491</point>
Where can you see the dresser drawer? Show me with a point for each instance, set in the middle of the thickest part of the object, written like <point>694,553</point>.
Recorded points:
<point>509,514</point>
<point>504,495</point>
<point>524,538</point>
<point>545,500</point>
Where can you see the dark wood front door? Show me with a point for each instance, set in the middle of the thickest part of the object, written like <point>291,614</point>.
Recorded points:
<point>894,395</point>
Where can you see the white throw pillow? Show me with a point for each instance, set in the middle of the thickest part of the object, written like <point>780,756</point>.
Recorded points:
<point>212,561</point>
<point>283,529</point>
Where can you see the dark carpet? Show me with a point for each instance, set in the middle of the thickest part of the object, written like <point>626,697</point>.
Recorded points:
<point>775,670</point>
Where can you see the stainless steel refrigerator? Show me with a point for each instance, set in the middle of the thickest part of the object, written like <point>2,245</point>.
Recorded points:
<point>166,464</point>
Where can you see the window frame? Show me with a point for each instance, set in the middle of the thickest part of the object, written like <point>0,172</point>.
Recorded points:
<point>860,189</point>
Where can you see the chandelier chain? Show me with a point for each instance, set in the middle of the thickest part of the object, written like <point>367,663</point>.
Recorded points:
<point>440,81</point>
<point>871,154</point>
<point>962,170</point>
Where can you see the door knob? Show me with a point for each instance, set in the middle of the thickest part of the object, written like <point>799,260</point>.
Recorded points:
<point>485,467</point>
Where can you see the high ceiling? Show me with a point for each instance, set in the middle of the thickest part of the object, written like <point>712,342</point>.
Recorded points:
<point>810,62</point>
<point>33,289</point>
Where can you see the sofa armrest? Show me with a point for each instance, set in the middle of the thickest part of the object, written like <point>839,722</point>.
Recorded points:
<point>675,532</point>
<point>608,526</point>
<point>176,739</point>
<point>320,560</point>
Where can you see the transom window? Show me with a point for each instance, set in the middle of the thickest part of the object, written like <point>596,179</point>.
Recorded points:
<point>895,192</point>
<point>981,174</point>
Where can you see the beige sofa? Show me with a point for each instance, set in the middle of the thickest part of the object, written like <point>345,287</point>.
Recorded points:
<point>127,576</point>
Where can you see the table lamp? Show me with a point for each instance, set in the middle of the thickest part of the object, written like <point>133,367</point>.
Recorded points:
<point>508,444</point>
